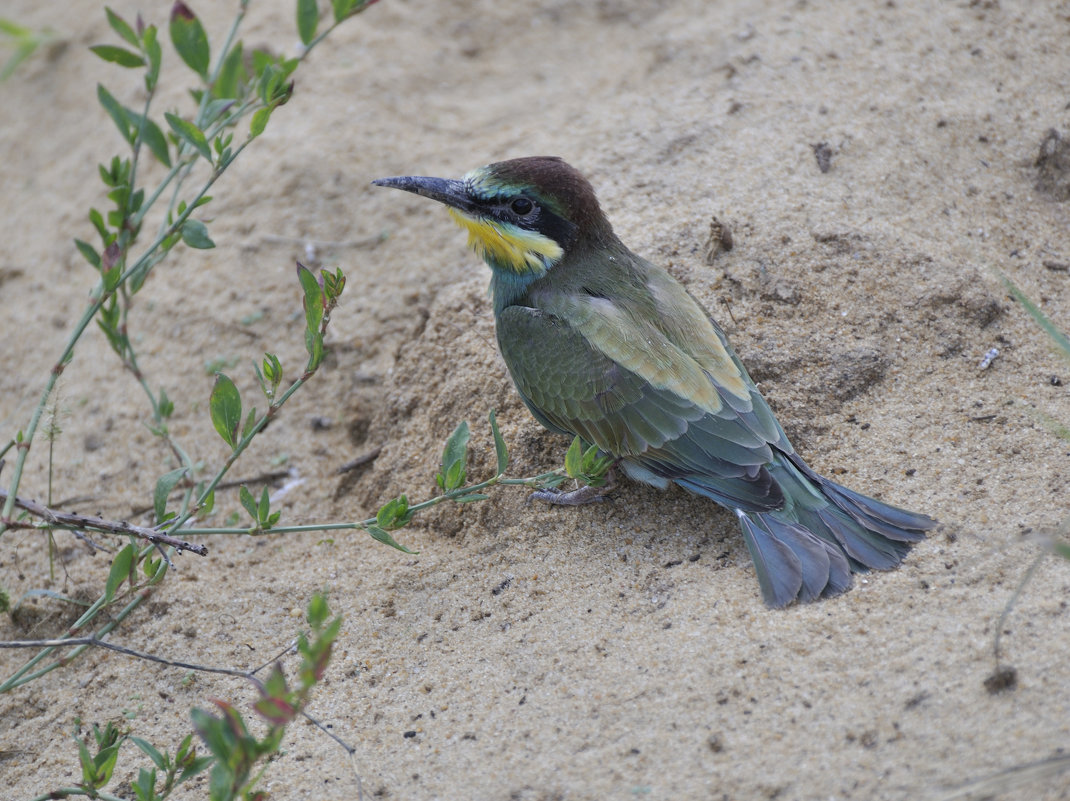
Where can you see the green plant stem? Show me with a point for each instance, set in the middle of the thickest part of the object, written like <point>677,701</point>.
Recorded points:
<point>238,449</point>
<point>178,166</point>
<point>1040,318</point>
<point>225,49</point>
<point>319,39</point>
<point>533,481</point>
<point>70,792</point>
<point>1010,604</point>
<point>134,160</point>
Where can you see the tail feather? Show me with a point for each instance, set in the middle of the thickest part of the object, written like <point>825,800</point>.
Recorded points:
<point>869,548</point>
<point>792,563</point>
<point>809,548</point>
<point>779,569</point>
<point>893,522</point>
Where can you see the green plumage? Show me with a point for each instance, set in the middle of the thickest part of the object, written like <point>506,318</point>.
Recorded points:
<point>605,345</point>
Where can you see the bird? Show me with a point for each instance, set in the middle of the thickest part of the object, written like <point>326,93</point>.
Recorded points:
<point>604,345</point>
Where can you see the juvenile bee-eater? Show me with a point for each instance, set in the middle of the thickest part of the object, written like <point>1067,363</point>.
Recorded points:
<point>607,346</point>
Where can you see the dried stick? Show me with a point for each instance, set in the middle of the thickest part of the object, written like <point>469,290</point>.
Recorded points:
<point>76,521</point>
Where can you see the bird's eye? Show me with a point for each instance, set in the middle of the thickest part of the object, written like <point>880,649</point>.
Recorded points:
<point>521,206</point>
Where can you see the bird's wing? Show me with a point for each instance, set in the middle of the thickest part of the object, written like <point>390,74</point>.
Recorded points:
<point>585,367</point>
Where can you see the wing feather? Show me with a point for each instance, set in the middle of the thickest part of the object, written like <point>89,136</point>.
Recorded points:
<point>640,397</point>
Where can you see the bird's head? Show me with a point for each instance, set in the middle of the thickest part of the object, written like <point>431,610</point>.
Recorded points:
<point>522,216</point>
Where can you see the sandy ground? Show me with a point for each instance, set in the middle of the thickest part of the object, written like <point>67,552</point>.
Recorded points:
<point>612,651</point>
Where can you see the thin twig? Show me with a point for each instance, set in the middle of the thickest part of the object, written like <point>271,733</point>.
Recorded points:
<point>76,521</point>
<point>1013,778</point>
<point>370,456</point>
<point>122,649</point>
<point>93,641</point>
<point>93,546</point>
<point>263,478</point>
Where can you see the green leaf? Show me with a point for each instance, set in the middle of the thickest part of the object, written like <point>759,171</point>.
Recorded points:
<point>115,111</point>
<point>215,109</point>
<point>224,405</point>
<point>214,733</point>
<point>394,514</point>
<point>501,450</point>
<point>195,234</point>
<point>118,55</point>
<point>89,768</point>
<point>189,38</point>
<point>275,684</point>
<point>313,301</point>
<point>191,764</point>
<point>456,450</point>
<point>13,29</point>
<point>120,26</point>
<point>574,459</point>
<point>250,423</point>
<point>105,762</point>
<point>232,75</point>
<point>121,566</point>
<point>155,54</point>
<point>314,346</point>
<point>97,220</point>
<point>145,786</point>
<point>149,566</point>
<point>247,501</point>
<point>318,610</point>
<point>164,485</point>
<point>347,8</point>
<point>271,375</point>
<point>89,252</point>
<point>263,510</point>
<point>1039,317</point>
<point>385,538</point>
<point>158,759</point>
<point>594,467</point>
<point>189,133</point>
<point>156,142</point>
<point>454,476</point>
<point>333,285</point>
<point>472,496</point>
<point>164,406</point>
<point>209,503</point>
<point>308,17</point>
<point>276,711</point>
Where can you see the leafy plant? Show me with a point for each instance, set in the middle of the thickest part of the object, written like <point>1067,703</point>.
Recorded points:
<point>236,757</point>
<point>234,96</point>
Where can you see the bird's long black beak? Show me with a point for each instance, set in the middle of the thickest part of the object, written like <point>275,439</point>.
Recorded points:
<point>445,190</point>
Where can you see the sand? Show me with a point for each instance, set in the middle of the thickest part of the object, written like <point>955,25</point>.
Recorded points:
<point>618,650</point>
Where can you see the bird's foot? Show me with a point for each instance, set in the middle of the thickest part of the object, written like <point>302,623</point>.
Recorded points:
<point>577,497</point>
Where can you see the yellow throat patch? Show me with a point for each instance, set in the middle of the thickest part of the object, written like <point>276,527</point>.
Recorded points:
<point>507,246</point>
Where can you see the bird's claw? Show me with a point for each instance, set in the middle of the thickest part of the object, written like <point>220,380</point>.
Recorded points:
<point>576,497</point>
